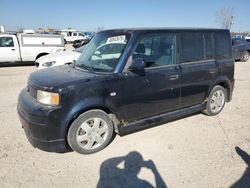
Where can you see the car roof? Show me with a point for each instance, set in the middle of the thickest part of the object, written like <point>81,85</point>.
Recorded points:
<point>173,29</point>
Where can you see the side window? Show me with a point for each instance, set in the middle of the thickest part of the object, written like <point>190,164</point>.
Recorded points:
<point>223,46</point>
<point>208,46</point>
<point>156,50</point>
<point>74,34</point>
<point>6,42</point>
<point>192,45</point>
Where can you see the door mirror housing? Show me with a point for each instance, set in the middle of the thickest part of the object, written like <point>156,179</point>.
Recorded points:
<point>138,66</point>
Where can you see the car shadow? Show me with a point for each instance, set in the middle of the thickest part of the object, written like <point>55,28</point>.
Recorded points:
<point>244,181</point>
<point>7,64</point>
<point>111,175</point>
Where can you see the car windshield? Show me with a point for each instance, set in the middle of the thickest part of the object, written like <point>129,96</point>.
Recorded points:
<point>102,53</point>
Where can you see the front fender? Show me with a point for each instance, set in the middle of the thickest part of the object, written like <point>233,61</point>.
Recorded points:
<point>83,106</point>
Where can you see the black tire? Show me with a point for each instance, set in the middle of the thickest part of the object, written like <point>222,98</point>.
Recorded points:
<point>210,109</point>
<point>90,132</point>
<point>245,56</point>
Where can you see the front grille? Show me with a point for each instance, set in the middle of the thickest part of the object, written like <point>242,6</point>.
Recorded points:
<point>32,91</point>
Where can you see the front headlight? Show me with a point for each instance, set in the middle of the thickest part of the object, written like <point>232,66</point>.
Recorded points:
<point>48,64</point>
<point>48,98</point>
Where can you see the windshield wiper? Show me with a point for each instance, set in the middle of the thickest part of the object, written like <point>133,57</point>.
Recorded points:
<point>90,69</point>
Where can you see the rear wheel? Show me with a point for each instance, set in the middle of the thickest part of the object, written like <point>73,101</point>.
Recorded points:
<point>245,56</point>
<point>216,101</point>
<point>90,132</point>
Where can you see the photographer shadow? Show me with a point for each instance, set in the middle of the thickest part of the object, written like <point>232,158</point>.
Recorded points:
<point>244,181</point>
<point>113,176</point>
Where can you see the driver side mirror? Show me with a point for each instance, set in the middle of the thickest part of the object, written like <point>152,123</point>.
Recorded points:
<point>138,66</point>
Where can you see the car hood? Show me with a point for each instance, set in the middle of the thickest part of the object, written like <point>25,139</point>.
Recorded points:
<point>50,79</point>
<point>58,55</point>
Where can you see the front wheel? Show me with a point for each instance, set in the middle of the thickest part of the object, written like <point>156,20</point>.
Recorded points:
<point>90,132</point>
<point>216,101</point>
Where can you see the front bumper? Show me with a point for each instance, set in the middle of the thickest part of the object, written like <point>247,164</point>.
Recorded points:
<point>42,124</point>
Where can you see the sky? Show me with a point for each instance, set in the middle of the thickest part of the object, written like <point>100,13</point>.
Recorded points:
<point>88,15</point>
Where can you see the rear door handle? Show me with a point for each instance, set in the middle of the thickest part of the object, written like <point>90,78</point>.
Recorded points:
<point>212,71</point>
<point>174,77</point>
<point>13,49</point>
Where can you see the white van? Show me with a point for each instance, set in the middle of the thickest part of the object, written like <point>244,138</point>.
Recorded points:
<point>28,47</point>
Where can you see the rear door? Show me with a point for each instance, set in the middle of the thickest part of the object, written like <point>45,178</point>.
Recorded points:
<point>158,90</point>
<point>9,49</point>
<point>198,66</point>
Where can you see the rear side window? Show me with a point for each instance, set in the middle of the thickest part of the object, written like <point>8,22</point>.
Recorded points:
<point>223,46</point>
<point>157,50</point>
<point>209,53</point>
<point>197,46</point>
<point>192,45</point>
<point>6,42</point>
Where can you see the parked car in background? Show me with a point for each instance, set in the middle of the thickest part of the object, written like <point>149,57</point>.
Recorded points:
<point>247,38</point>
<point>28,47</point>
<point>72,35</point>
<point>59,58</point>
<point>80,42</point>
<point>241,49</point>
<point>154,76</point>
<point>109,50</point>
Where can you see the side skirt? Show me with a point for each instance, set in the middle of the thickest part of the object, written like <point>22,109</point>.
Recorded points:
<point>157,120</point>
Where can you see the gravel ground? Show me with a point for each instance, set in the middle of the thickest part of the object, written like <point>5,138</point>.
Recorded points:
<point>198,151</point>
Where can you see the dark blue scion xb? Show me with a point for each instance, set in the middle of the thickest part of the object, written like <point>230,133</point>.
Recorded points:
<point>127,80</point>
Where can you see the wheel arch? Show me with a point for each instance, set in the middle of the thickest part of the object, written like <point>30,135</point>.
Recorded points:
<point>41,54</point>
<point>82,107</point>
<point>225,83</point>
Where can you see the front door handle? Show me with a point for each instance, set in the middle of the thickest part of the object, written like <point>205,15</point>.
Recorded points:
<point>13,49</point>
<point>174,77</point>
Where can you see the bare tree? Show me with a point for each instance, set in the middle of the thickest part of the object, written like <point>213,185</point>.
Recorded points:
<point>225,17</point>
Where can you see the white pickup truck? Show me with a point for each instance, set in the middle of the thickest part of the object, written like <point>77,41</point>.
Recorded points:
<point>71,35</point>
<point>28,47</point>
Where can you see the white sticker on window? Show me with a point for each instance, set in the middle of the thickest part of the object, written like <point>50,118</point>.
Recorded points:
<point>119,38</point>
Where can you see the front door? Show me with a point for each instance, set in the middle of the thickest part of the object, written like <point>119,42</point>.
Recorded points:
<point>8,49</point>
<point>158,89</point>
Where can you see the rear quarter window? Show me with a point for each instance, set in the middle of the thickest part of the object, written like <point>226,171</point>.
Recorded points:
<point>223,46</point>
